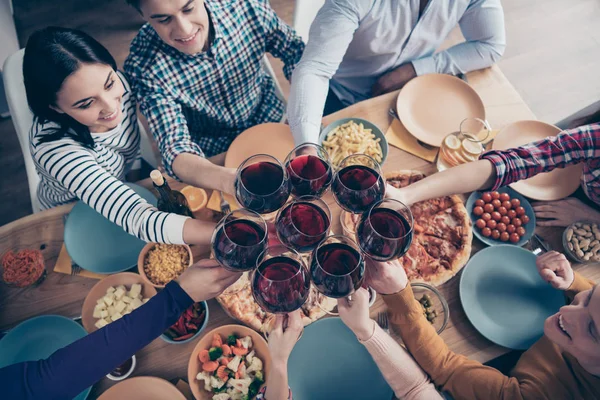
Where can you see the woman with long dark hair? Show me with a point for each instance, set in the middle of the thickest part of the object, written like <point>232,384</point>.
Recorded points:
<point>85,135</point>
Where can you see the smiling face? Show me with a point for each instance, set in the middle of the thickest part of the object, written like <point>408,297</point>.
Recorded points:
<point>576,328</point>
<point>92,96</point>
<point>182,24</point>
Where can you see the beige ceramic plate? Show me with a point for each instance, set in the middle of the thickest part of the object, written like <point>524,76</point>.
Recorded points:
<point>143,388</point>
<point>273,139</point>
<point>259,344</point>
<point>99,290</point>
<point>549,186</point>
<point>432,106</point>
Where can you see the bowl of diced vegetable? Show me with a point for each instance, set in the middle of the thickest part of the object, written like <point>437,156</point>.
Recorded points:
<point>112,298</point>
<point>189,325</point>
<point>229,362</point>
<point>434,305</point>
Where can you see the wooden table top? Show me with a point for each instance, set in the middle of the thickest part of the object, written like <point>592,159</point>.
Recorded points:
<point>64,295</point>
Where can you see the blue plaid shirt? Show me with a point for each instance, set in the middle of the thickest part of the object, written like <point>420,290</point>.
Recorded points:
<point>198,104</point>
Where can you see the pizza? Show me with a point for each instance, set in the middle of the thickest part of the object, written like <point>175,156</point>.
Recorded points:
<point>442,237</point>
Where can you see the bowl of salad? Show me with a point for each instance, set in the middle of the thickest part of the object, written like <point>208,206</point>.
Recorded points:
<point>229,363</point>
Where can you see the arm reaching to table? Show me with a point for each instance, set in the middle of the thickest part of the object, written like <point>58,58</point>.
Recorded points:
<point>400,370</point>
<point>73,368</point>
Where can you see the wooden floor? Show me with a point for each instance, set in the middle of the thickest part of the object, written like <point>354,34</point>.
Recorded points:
<point>552,58</point>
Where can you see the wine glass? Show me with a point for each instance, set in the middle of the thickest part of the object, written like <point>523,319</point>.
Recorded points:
<point>385,232</point>
<point>309,169</point>
<point>262,184</point>
<point>358,184</point>
<point>337,268</point>
<point>303,223</point>
<point>239,239</point>
<point>280,283</point>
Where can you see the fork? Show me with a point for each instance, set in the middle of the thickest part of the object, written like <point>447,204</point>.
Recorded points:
<point>225,207</point>
<point>394,114</point>
<point>383,322</point>
<point>75,269</point>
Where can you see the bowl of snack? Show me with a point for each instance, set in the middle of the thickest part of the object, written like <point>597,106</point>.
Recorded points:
<point>348,136</point>
<point>112,298</point>
<point>189,325</point>
<point>501,217</point>
<point>581,241</point>
<point>228,362</point>
<point>123,371</point>
<point>435,306</point>
<point>23,268</point>
<point>160,263</point>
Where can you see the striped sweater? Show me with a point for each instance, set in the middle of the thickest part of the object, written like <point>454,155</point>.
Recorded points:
<point>69,171</point>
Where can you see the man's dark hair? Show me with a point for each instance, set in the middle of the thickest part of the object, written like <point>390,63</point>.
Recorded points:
<point>135,4</point>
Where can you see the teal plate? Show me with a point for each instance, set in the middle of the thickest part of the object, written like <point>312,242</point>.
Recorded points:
<point>99,245</point>
<point>328,363</point>
<point>39,337</point>
<point>505,298</point>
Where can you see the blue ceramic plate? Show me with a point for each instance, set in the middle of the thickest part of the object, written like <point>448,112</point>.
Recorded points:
<point>98,245</point>
<point>529,228</point>
<point>505,298</point>
<point>328,363</point>
<point>368,125</point>
<point>39,337</point>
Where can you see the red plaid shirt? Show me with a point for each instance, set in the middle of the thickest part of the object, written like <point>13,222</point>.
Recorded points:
<point>573,146</point>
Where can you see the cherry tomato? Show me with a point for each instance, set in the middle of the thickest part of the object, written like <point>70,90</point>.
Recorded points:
<point>507,205</point>
<point>502,210</point>
<point>489,208</point>
<point>479,203</point>
<point>505,220</point>
<point>486,232</point>
<point>521,231</point>
<point>478,211</point>
<point>486,197</point>
<point>510,228</point>
<point>495,234</point>
<point>495,195</point>
<point>524,219</point>
<point>520,211</point>
<point>514,238</point>
<point>480,224</point>
<point>486,217</point>
<point>504,197</point>
<point>515,203</point>
<point>511,214</point>
<point>496,203</point>
<point>517,222</point>
<point>491,224</point>
<point>496,216</point>
<point>504,236</point>
<point>501,226</point>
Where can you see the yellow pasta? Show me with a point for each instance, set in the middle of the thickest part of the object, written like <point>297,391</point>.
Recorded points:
<point>352,138</point>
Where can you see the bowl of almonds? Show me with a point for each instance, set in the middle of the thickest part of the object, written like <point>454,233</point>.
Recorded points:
<point>581,242</point>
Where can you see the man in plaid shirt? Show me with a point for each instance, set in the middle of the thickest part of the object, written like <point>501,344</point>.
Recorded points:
<point>499,168</point>
<point>196,70</point>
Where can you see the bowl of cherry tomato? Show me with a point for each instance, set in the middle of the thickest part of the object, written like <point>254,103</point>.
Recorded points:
<point>501,217</point>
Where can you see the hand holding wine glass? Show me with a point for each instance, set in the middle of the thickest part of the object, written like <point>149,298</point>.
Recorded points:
<point>284,335</point>
<point>206,279</point>
<point>355,314</point>
<point>386,277</point>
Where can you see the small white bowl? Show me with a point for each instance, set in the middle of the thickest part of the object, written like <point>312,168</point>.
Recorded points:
<point>126,375</point>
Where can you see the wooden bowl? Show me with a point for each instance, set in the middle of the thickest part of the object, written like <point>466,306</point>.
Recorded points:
<point>259,345</point>
<point>99,290</point>
<point>142,257</point>
<point>143,388</point>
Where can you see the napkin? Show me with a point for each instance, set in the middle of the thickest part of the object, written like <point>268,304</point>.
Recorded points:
<point>397,135</point>
<point>64,266</point>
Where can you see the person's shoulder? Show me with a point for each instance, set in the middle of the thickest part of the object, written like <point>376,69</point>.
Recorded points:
<point>143,53</point>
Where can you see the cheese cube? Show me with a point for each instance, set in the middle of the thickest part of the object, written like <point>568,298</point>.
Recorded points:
<point>136,303</point>
<point>104,314</point>
<point>116,316</point>
<point>126,299</point>
<point>100,324</point>
<point>100,301</point>
<point>108,299</point>
<point>136,290</point>
<point>119,293</point>
<point>97,311</point>
<point>145,300</point>
<point>120,306</point>
<point>110,290</point>
<point>126,311</point>
<point>111,310</point>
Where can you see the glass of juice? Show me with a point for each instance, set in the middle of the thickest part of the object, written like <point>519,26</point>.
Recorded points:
<point>463,146</point>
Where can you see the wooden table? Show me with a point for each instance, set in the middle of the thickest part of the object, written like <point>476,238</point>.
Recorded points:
<point>64,295</point>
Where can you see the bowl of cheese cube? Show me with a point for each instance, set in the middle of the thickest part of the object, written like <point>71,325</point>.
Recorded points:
<point>112,298</point>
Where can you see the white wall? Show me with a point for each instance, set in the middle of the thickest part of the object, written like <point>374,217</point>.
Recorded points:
<point>8,34</point>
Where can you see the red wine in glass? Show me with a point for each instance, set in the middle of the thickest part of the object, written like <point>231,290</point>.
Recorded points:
<point>358,187</point>
<point>303,223</point>
<point>262,185</point>
<point>309,175</point>
<point>337,269</point>
<point>386,231</point>
<point>280,284</point>
<point>239,240</point>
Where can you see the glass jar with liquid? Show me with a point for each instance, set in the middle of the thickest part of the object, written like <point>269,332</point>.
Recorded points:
<point>463,146</point>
